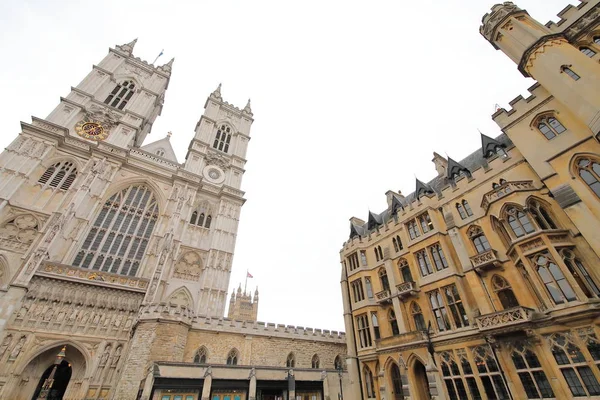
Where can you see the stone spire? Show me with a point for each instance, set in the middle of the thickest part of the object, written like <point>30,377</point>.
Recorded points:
<point>128,47</point>
<point>217,93</point>
<point>248,109</point>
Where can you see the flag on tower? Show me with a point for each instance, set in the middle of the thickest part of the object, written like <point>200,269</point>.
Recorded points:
<point>249,275</point>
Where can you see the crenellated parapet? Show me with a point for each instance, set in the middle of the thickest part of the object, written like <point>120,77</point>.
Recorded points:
<point>522,106</point>
<point>498,14</point>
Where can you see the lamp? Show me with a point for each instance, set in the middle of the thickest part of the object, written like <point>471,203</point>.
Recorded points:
<point>45,391</point>
<point>340,372</point>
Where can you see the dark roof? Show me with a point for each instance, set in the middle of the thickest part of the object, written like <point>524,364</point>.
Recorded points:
<point>454,168</point>
<point>422,188</point>
<point>472,162</point>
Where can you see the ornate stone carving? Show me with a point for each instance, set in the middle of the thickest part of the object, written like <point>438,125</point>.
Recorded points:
<point>18,233</point>
<point>491,20</point>
<point>18,347</point>
<point>5,343</point>
<point>188,267</point>
<point>116,356</point>
<point>107,117</point>
<point>214,158</point>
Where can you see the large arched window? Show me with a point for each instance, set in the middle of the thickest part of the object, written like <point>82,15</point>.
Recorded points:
<point>417,315</point>
<point>541,215</point>
<point>393,323</point>
<point>118,239</point>
<point>233,357</point>
<point>556,284</point>
<point>573,366</point>
<point>550,127</point>
<point>405,270</point>
<point>60,175</point>
<point>396,383</point>
<point>369,384</point>
<point>385,283</point>
<point>519,222</point>
<point>201,355</point>
<point>589,171</point>
<point>504,292</point>
<point>479,240</point>
<point>315,363</point>
<point>290,362</point>
<point>121,94</point>
<point>580,273</point>
<point>223,138</point>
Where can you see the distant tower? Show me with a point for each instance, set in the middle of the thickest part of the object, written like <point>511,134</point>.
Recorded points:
<point>550,55</point>
<point>242,307</point>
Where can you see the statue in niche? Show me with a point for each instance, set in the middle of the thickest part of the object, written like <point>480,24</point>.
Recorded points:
<point>5,344</point>
<point>129,322</point>
<point>18,347</point>
<point>48,314</point>
<point>96,319</point>
<point>84,317</point>
<point>61,316</point>
<point>22,311</point>
<point>73,316</point>
<point>118,320</point>
<point>116,356</point>
<point>105,355</point>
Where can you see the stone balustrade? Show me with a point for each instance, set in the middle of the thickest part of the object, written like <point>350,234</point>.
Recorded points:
<point>486,260</point>
<point>505,318</point>
<point>406,289</point>
<point>504,190</point>
<point>383,296</point>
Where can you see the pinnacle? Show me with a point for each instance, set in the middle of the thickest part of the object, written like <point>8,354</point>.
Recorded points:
<point>217,93</point>
<point>248,109</point>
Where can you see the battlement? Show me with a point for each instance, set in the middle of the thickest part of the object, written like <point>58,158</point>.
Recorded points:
<point>520,106</point>
<point>491,20</point>
<point>568,15</point>
<point>127,49</point>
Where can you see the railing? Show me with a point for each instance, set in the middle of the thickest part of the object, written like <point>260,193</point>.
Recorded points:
<point>505,318</point>
<point>383,296</point>
<point>406,289</point>
<point>503,190</point>
<point>489,259</point>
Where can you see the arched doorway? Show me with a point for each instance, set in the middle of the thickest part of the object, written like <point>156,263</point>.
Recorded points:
<point>67,380</point>
<point>397,392</point>
<point>421,387</point>
<point>62,375</point>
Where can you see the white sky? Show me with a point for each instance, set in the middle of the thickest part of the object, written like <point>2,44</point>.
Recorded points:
<point>350,100</point>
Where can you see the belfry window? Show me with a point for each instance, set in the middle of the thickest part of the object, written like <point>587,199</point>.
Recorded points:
<point>200,219</point>
<point>550,127</point>
<point>589,171</point>
<point>60,175</point>
<point>587,51</point>
<point>119,237</point>
<point>223,138</point>
<point>121,94</point>
<point>572,74</point>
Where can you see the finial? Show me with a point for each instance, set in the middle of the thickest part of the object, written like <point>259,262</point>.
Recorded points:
<point>248,109</point>
<point>169,134</point>
<point>217,93</point>
<point>128,47</point>
<point>168,66</point>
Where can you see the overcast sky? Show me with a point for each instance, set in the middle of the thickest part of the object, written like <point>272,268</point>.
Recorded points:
<point>350,99</point>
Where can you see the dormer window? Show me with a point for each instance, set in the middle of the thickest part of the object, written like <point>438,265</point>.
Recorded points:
<point>587,51</point>
<point>572,74</point>
<point>550,127</point>
<point>222,139</point>
<point>121,95</point>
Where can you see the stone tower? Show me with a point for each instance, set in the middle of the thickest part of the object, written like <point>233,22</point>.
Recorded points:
<point>242,307</point>
<point>95,225</point>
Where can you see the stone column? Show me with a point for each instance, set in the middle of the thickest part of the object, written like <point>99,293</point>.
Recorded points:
<point>252,389</point>
<point>351,357</point>
<point>291,385</point>
<point>207,384</point>
<point>148,385</point>
<point>326,394</point>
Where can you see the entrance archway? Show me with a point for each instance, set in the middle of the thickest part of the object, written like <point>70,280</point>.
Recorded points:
<point>61,380</point>
<point>421,382</point>
<point>67,380</point>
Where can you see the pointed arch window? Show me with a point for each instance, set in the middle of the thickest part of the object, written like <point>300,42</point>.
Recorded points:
<point>393,323</point>
<point>587,51</point>
<point>417,315</point>
<point>378,253</point>
<point>581,274</point>
<point>439,310</point>
<point>489,373</point>
<point>60,175</point>
<point>438,257</point>
<point>397,382</point>
<point>424,263</point>
<point>121,94</point>
<point>201,356</point>
<point>375,322</point>
<point>369,383</point>
<point>118,239</point>
<point>532,376</point>
<point>504,292</point>
<point>461,211</point>
<point>200,220</point>
<point>315,362</point>
<point>573,366</point>
<point>556,284</point>
<point>541,215</point>
<point>452,377</point>
<point>479,240</point>
<point>501,231</point>
<point>222,139</point>
<point>405,270</point>
<point>385,283</point>
<point>572,74</point>
<point>467,208</point>
<point>338,363</point>
<point>550,127</point>
<point>589,171</point>
<point>233,357</point>
<point>519,222</point>
<point>397,242</point>
<point>597,39</point>
<point>290,362</point>
<point>369,287</point>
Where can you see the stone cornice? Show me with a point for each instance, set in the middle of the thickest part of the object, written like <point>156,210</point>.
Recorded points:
<point>540,43</point>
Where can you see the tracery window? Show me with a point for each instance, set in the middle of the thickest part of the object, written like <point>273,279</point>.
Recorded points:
<point>504,292</point>
<point>519,222</point>
<point>60,175</point>
<point>121,94</point>
<point>290,362</point>
<point>393,323</point>
<point>413,229</point>
<point>222,138</point>
<point>455,304</point>
<point>315,363</point>
<point>587,51</point>
<point>424,263</point>
<point>201,355</point>
<point>572,74</point>
<point>425,221</point>
<point>118,239</point>
<point>556,284</point>
<point>479,240</point>
<point>530,371</point>
<point>417,315</point>
<point>439,311</point>
<point>580,273</point>
<point>385,283</point>
<point>369,384</point>
<point>369,287</point>
<point>233,357</point>
<point>550,127</point>
<point>405,270</point>
<point>468,374</point>
<point>438,257</point>
<point>452,377</point>
<point>573,366</point>
<point>375,322</point>
<point>467,208</point>
<point>338,363</point>
<point>378,253</point>
<point>589,171</point>
<point>357,290</point>
<point>200,219</point>
<point>489,373</point>
<point>397,242</point>
<point>461,211</point>
<point>364,333</point>
<point>541,215</point>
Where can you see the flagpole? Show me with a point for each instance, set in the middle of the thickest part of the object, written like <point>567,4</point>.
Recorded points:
<point>246,284</point>
<point>160,54</point>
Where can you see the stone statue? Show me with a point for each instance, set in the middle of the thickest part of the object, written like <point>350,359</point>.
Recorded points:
<point>116,356</point>
<point>105,356</point>
<point>5,344</point>
<point>18,347</point>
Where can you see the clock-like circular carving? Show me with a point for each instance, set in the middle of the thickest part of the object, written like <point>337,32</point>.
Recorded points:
<point>214,174</point>
<point>92,130</point>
